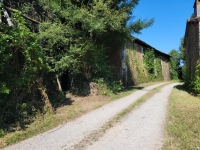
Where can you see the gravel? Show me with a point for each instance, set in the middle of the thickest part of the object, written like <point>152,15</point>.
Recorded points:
<point>142,129</point>
<point>71,133</point>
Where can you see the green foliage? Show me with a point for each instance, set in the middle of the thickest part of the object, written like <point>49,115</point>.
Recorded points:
<point>158,69</point>
<point>146,70</point>
<point>22,62</point>
<point>103,87</point>
<point>182,50</point>
<point>192,83</point>
<point>136,70</point>
<point>174,64</point>
<point>195,84</point>
<point>108,87</point>
<point>1,133</point>
<point>149,60</point>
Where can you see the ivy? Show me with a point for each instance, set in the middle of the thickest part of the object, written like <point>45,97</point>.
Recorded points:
<point>149,60</point>
<point>158,68</point>
<point>136,71</point>
<point>149,69</point>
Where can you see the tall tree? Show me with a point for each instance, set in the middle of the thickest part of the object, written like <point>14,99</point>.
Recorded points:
<point>174,63</point>
<point>182,50</point>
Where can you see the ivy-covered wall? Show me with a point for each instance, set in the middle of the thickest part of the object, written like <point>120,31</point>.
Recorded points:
<point>136,72</point>
<point>145,64</point>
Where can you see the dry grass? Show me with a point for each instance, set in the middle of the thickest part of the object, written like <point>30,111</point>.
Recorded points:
<point>183,123</point>
<point>74,108</point>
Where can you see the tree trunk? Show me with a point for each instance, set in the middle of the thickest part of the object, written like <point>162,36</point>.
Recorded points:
<point>7,18</point>
<point>47,104</point>
<point>58,82</point>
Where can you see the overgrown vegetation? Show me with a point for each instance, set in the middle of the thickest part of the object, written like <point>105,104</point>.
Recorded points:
<point>149,60</point>
<point>136,69</point>
<point>22,69</point>
<point>195,83</point>
<point>191,79</point>
<point>183,121</point>
<point>144,69</point>
<point>53,38</point>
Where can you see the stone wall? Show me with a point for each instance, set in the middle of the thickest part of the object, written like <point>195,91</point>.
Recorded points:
<point>192,47</point>
<point>165,67</point>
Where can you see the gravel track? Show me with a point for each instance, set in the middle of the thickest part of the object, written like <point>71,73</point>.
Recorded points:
<point>71,133</point>
<point>142,129</point>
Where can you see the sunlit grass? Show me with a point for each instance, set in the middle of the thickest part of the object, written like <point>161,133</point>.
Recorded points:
<point>183,123</point>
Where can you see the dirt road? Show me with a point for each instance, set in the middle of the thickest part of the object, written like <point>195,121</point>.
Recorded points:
<point>142,129</point>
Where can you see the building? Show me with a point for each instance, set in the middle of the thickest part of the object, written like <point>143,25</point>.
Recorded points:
<point>133,69</point>
<point>192,41</point>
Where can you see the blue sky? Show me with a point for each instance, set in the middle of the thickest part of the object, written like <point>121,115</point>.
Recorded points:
<point>170,22</point>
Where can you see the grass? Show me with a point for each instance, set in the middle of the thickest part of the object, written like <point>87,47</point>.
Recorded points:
<point>77,107</point>
<point>183,122</point>
<point>94,136</point>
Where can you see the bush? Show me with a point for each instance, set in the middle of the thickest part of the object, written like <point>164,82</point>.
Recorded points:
<point>107,87</point>
<point>195,84</point>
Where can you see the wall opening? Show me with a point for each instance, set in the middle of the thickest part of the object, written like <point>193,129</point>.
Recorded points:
<point>65,81</point>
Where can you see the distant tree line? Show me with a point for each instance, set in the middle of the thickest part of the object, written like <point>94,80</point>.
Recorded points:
<point>177,62</point>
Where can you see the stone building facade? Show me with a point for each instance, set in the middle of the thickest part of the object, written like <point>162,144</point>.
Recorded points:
<point>133,70</point>
<point>165,66</point>
<point>192,41</point>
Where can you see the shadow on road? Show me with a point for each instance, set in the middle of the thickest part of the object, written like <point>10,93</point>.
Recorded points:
<point>130,88</point>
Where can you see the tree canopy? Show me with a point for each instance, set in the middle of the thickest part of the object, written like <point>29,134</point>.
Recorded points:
<point>174,64</point>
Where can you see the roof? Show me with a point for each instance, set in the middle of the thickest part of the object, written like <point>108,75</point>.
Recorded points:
<point>138,41</point>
